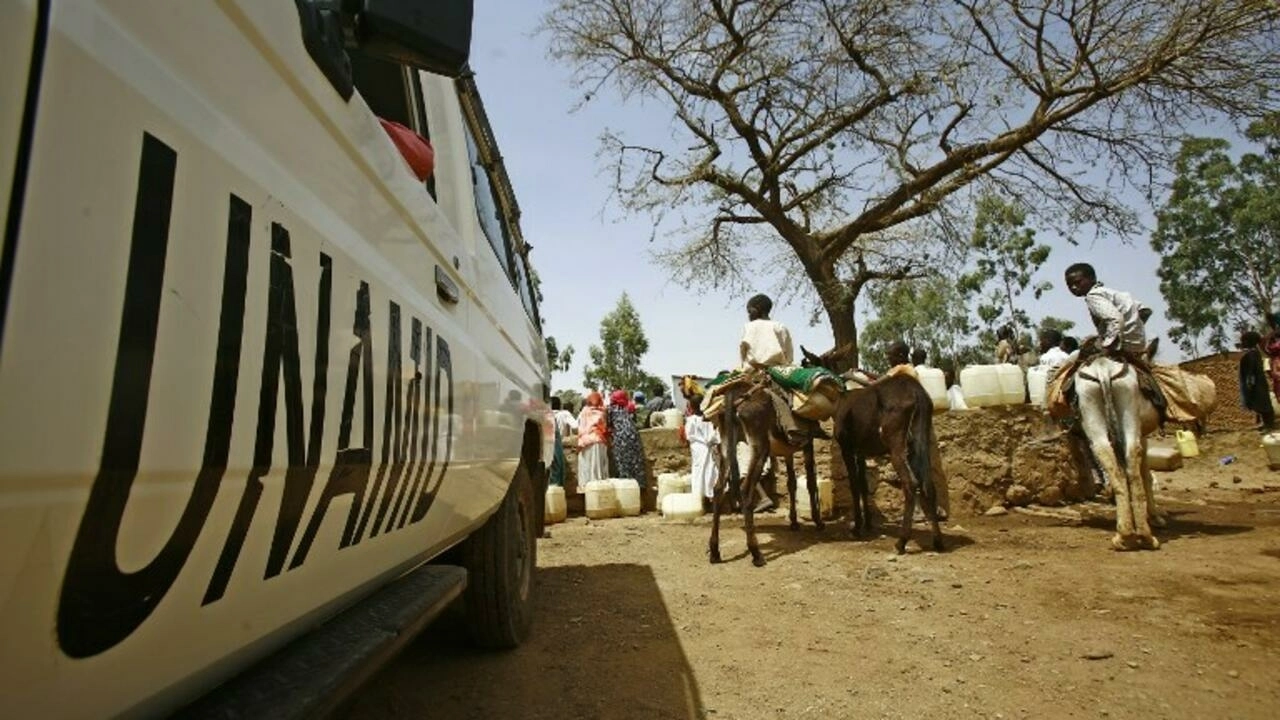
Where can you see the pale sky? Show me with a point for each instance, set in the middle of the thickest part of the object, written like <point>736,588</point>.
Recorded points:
<point>587,254</point>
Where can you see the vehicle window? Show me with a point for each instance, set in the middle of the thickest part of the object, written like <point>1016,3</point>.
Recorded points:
<point>384,87</point>
<point>524,284</point>
<point>487,207</point>
<point>496,207</point>
<point>393,93</point>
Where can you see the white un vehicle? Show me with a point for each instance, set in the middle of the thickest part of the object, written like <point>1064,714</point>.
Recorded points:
<point>268,402</point>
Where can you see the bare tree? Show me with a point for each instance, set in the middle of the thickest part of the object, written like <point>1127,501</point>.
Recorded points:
<point>820,124</point>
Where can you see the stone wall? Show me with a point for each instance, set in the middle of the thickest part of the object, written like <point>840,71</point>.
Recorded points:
<point>991,456</point>
<point>1007,455</point>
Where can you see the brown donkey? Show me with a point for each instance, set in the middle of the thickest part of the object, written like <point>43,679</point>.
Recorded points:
<point>749,415</point>
<point>892,416</point>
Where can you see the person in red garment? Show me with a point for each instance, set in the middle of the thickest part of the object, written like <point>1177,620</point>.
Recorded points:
<point>1271,346</point>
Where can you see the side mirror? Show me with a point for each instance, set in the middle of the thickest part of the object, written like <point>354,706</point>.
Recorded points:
<point>434,36</point>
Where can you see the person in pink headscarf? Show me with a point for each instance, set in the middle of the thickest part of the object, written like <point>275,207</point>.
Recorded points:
<point>1271,346</point>
<point>593,441</point>
<point>624,438</point>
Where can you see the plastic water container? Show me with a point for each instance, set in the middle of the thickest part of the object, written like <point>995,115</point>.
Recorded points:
<point>1013,384</point>
<point>1271,443</point>
<point>935,383</point>
<point>1163,458</point>
<point>671,418</point>
<point>627,492</point>
<point>1037,384</point>
<point>601,500</point>
<point>1187,444</point>
<point>670,483</point>
<point>981,386</point>
<point>556,509</point>
<point>666,419</point>
<point>682,506</point>
<point>826,499</point>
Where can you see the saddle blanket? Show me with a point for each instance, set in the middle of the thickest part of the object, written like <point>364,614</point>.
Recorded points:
<point>1189,397</point>
<point>813,391</point>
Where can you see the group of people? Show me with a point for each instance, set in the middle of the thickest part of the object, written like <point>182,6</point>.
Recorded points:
<point>607,436</point>
<point>1260,372</point>
<point>1051,351</point>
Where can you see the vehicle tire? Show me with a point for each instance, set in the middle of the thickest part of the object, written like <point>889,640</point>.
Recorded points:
<point>500,558</point>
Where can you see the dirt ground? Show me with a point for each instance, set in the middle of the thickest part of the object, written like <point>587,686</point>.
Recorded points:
<point>1027,615</point>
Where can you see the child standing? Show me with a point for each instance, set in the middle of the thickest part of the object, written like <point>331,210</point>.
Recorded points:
<point>1004,345</point>
<point>704,451</point>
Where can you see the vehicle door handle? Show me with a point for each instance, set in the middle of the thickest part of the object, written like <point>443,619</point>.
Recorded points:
<point>446,288</point>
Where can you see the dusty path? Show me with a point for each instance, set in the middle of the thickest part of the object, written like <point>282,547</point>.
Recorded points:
<point>634,623</point>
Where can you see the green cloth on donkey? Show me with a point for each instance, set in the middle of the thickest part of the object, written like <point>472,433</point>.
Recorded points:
<point>815,390</point>
<point>803,379</point>
<point>722,377</point>
<point>799,379</point>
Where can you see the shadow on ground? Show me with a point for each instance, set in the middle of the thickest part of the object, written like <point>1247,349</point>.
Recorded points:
<point>603,647</point>
<point>1182,524</point>
<point>778,540</point>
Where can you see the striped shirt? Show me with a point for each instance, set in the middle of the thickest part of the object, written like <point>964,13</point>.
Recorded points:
<point>1115,315</point>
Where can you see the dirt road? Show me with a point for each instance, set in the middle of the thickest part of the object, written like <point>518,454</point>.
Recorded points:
<point>1025,616</point>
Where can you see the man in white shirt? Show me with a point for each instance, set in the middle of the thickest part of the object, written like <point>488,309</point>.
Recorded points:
<point>563,417</point>
<point>1052,356</point>
<point>765,343</point>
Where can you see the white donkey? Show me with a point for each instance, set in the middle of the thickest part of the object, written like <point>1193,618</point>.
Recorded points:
<point>1116,418</point>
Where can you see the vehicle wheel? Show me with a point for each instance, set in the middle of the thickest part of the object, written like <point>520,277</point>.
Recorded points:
<point>500,558</point>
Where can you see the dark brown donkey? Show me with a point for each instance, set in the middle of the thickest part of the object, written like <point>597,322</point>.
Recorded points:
<point>892,416</point>
<point>749,415</point>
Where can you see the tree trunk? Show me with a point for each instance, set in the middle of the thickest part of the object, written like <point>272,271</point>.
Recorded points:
<point>838,300</point>
<point>843,329</point>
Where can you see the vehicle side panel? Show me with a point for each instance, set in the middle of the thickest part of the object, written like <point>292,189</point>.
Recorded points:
<point>202,405</point>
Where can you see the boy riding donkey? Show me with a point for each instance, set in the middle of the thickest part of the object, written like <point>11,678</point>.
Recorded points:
<point>765,360</point>
<point>766,344</point>
<point>1120,322</point>
<point>1122,333</point>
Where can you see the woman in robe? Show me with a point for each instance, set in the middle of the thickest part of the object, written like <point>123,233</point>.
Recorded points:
<point>624,438</point>
<point>593,442</point>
